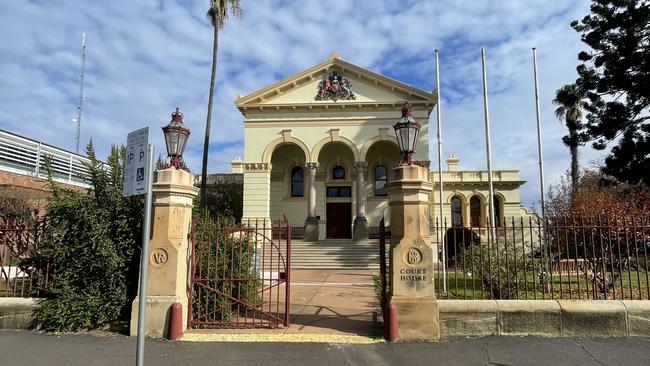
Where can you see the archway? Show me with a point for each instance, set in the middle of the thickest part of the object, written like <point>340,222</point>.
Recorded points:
<point>336,182</point>
<point>288,191</point>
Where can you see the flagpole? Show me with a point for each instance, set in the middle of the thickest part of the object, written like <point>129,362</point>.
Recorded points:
<point>541,167</point>
<point>539,136</point>
<point>488,147</point>
<point>440,228</point>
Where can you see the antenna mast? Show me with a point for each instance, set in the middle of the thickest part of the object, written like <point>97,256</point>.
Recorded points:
<point>80,107</point>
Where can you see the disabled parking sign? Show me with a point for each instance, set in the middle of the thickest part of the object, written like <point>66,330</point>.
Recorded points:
<point>135,172</point>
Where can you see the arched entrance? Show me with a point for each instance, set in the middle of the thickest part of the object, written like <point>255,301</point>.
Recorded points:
<point>288,191</point>
<point>336,161</point>
<point>381,157</point>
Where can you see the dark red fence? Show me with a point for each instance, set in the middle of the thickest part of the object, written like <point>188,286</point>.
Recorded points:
<point>557,258</point>
<point>19,277</point>
<point>240,275</point>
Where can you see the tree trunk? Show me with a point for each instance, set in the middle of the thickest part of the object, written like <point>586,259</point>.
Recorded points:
<point>574,159</point>
<point>206,141</point>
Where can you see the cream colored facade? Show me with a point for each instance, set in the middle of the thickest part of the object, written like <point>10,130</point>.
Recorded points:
<point>288,130</point>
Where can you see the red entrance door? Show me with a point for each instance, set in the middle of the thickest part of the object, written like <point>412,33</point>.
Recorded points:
<point>339,220</point>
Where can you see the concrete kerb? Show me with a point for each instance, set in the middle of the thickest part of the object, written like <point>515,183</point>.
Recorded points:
<point>529,317</point>
<point>638,317</point>
<point>17,312</point>
<point>551,318</point>
<point>468,318</point>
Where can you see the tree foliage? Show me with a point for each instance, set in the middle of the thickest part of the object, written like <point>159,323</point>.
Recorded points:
<point>569,102</point>
<point>92,243</point>
<point>615,75</point>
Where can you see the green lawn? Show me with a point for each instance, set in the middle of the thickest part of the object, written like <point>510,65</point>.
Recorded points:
<point>631,286</point>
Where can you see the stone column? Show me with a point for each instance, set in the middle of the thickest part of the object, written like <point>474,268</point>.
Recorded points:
<point>411,258</point>
<point>360,228</point>
<point>311,223</point>
<point>168,279</point>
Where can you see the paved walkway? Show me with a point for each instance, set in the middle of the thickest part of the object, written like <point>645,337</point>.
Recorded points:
<point>328,302</point>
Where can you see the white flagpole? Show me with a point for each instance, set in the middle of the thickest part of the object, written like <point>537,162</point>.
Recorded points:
<point>488,147</point>
<point>541,164</point>
<point>539,136</point>
<point>441,226</point>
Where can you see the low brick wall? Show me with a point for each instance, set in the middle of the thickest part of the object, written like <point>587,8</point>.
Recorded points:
<point>551,318</point>
<point>16,312</point>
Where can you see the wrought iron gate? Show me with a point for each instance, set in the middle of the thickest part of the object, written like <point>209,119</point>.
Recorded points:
<point>240,274</point>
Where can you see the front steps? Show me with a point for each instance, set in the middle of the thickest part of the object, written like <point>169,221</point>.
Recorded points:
<point>335,254</point>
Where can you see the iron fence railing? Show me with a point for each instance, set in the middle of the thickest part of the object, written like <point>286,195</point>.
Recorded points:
<point>240,274</point>
<point>602,257</point>
<point>20,273</point>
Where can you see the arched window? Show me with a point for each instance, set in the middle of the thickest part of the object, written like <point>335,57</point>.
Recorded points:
<point>297,182</point>
<point>380,180</point>
<point>497,211</point>
<point>456,212</point>
<point>475,211</point>
<point>338,172</point>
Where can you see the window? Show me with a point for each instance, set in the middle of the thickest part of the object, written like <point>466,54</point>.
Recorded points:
<point>338,172</point>
<point>456,212</point>
<point>380,180</point>
<point>475,211</point>
<point>339,192</point>
<point>497,211</point>
<point>297,182</point>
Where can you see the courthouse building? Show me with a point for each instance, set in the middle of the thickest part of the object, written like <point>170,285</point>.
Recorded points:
<point>319,146</point>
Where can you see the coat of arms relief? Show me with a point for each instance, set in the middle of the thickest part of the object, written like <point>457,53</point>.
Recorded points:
<point>334,87</point>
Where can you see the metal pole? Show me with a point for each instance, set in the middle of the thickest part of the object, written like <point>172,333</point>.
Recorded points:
<point>439,121</point>
<point>80,107</point>
<point>539,136</point>
<point>144,260</point>
<point>541,164</point>
<point>488,146</point>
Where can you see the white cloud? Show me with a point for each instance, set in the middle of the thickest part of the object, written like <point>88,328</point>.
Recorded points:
<point>146,57</point>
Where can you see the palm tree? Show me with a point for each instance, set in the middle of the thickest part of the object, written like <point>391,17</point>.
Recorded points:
<point>217,14</point>
<point>569,101</point>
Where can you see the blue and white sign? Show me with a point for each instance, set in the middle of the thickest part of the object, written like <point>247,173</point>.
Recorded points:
<point>136,171</point>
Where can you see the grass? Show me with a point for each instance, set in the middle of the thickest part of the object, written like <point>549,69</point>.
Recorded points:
<point>632,285</point>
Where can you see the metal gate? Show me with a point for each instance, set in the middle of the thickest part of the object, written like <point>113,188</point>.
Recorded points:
<point>240,274</point>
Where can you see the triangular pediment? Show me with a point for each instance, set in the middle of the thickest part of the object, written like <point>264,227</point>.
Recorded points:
<point>335,82</point>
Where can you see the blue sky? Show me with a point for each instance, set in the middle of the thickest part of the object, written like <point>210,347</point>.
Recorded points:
<point>145,57</point>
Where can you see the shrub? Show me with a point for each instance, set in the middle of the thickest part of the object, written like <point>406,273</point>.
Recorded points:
<point>502,269</point>
<point>92,243</point>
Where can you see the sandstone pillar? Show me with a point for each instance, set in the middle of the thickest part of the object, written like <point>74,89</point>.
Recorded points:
<point>311,224</point>
<point>411,258</point>
<point>360,228</point>
<point>169,251</point>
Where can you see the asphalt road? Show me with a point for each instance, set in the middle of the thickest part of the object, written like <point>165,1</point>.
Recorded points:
<point>30,348</point>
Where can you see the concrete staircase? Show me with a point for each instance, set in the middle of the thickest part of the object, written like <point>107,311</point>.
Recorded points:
<point>335,254</point>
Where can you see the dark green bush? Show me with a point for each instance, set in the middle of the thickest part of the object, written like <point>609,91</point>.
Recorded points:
<point>92,243</point>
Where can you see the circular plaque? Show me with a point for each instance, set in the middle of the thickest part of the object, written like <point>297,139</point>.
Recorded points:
<point>159,257</point>
<point>413,256</point>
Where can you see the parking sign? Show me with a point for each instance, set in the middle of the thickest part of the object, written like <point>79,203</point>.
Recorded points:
<point>136,170</point>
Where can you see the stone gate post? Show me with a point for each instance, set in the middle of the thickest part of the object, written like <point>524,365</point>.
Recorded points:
<point>169,252</point>
<point>411,258</point>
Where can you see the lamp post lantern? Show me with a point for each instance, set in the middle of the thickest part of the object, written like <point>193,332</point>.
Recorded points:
<point>176,135</point>
<point>407,131</point>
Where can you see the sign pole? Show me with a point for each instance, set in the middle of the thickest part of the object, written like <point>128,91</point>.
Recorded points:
<point>144,259</point>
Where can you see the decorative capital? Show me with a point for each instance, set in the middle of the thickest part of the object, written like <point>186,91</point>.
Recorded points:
<point>313,166</point>
<point>361,165</point>
<point>257,167</point>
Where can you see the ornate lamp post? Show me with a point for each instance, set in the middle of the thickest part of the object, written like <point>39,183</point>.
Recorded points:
<point>407,131</point>
<point>176,135</point>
